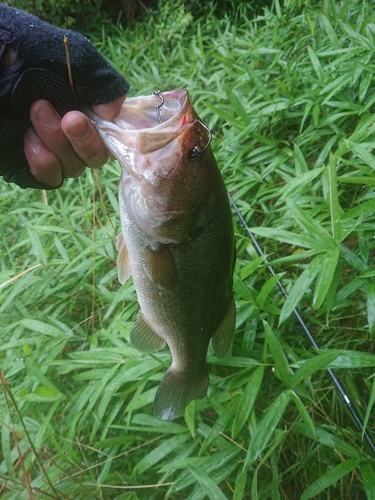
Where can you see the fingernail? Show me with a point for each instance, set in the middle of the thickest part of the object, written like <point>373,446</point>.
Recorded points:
<point>110,110</point>
<point>78,129</point>
<point>46,115</point>
<point>34,140</point>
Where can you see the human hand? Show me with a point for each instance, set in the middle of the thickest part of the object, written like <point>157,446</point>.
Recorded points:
<point>58,147</point>
<point>43,136</point>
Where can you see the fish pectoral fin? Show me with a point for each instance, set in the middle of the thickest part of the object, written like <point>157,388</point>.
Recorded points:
<point>123,263</point>
<point>223,335</point>
<point>143,337</point>
<point>161,266</point>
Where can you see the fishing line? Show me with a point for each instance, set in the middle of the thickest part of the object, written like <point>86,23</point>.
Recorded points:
<point>309,335</point>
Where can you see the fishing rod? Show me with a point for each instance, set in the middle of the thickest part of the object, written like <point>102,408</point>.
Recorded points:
<point>349,406</point>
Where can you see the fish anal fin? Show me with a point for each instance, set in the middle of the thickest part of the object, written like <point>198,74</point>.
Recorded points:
<point>175,392</point>
<point>161,266</point>
<point>223,335</point>
<point>143,337</point>
<point>123,263</point>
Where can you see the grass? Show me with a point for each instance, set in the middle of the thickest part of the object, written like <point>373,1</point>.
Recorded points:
<point>289,97</point>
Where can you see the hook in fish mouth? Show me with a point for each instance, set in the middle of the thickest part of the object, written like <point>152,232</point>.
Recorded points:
<point>196,151</point>
<point>159,94</point>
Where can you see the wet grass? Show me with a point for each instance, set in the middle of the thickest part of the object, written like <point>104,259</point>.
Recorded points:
<point>289,97</point>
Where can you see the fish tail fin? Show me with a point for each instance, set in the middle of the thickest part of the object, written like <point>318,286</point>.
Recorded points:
<point>175,392</point>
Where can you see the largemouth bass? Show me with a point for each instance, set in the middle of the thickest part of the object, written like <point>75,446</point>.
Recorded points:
<point>177,239</point>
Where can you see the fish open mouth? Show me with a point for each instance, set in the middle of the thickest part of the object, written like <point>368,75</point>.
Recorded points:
<point>143,125</point>
<point>157,111</point>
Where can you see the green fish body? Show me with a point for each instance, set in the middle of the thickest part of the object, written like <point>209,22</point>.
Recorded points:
<point>177,240</point>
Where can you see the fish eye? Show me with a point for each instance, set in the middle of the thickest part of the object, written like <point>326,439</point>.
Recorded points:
<point>196,151</point>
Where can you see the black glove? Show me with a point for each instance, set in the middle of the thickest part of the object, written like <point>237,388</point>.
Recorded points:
<point>40,72</point>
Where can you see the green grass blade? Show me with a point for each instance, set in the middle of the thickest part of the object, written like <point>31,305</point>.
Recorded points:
<point>190,417</point>
<point>311,366</point>
<point>369,406</point>
<point>279,436</point>
<point>240,485</point>
<point>303,412</point>
<point>251,267</point>
<point>225,416</point>
<point>371,305</point>
<point>237,105</point>
<point>33,369</point>
<point>282,368</point>
<point>325,276</point>
<point>368,475</point>
<point>300,287</point>
<point>363,153</point>
<point>334,204</point>
<point>310,226</point>
<point>160,452</point>
<point>302,241</point>
<point>316,65</point>
<point>352,359</point>
<point>248,398</point>
<point>266,428</point>
<point>328,439</point>
<point>6,447</point>
<point>267,288</point>
<point>300,183</point>
<point>41,327</point>
<point>329,478</point>
<point>211,489</point>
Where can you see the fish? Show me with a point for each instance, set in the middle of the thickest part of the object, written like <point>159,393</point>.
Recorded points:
<point>177,240</point>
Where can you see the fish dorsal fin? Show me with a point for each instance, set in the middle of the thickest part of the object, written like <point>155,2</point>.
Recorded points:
<point>143,338</point>
<point>223,335</point>
<point>123,264</point>
<point>161,266</point>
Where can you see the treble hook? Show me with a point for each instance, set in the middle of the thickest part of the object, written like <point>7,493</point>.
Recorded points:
<point>158,93</point>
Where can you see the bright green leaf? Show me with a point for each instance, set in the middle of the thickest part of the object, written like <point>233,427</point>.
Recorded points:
<point>334,204</point>
<point>311,366</point>
<point>211,489</point>
<point>267,288</point>
<point>325,277</point>
<point>300,287</point>
<point>368,475</point>
<point>266,428</point>
<point>329,478</point>
<point>303,412</point>
<point>160,452</point>
<point>371,305</point>
<point>326,438</point>
<point>369,406</point>
<point>282,368</point>
<point>248,398</point>
<point>47,392</point>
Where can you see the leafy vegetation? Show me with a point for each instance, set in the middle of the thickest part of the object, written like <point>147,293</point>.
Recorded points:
<point>289,96</point>
<point>84,14</point>
<point>64,13</point>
